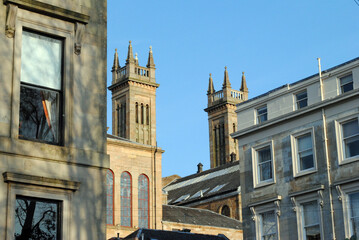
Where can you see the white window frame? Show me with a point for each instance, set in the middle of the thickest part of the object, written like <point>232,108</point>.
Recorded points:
<point>340,141</point>
<point>258,116</point>
<point>295,160</point>
<point>340,91</point>
<point>296,99</point>
<point>256,181</point>
<point>49,27</point>
<point>343,191</point>
<point>298,202</point>
<point>258,211</point>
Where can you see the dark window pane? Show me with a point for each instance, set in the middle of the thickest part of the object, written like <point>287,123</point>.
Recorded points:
<point>346,83</point>
<point>264,155</point>
<point>37,219</point>
<point>225,211</point>
<point>39,114</point>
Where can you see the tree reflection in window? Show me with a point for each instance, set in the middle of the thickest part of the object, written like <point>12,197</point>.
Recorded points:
<point>143,202</point>
<point>41,88</point>
<point>37,219</point>
<point>126,200</point>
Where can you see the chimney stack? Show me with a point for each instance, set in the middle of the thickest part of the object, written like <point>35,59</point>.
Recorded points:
<point>200,167</point>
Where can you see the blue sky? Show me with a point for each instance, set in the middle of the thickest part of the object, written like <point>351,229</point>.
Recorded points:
<point>274,42</point>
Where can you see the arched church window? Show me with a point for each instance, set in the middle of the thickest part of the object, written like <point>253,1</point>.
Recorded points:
<point>226,211</point>
<point>126,199</point>
<point>110,191</point>
<point>143,202</point>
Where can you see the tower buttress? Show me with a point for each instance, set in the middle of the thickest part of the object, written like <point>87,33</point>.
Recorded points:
<point>222,119</point>
<point>134,100</point>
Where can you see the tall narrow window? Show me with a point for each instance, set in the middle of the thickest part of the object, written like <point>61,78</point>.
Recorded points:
<point>354,213</point>
<point>346,83</point>
<point>262,114</point>
<point>37,218</point>
<point>41,88</point>
<point>118,120</point>
<point>147,115</point>
<point>136,112</point>
<point>311,221</point>
<point>225,211</point>
<point>110,195</point>
<point>303,155</point>
<point>350,141</point>
<point>142,114</point>
<point>126,200</point>
<point>123,120</point>
<point>265,172</point>
<point>268,226</point>
<point>143,202</point>
<point>302,99</point>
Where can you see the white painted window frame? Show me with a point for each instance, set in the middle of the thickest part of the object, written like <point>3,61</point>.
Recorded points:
<point>340,141</point>
<point>258,115</point>
<point>343,191</point>
<point>298,202</point>
<point>339,84</point>
<point>296,99</point>
<point>294,148</point>
<point>256,180</point>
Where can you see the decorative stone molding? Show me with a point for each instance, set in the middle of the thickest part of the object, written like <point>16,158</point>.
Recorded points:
<point>253,213</point>
<point>277,207</point>
<point>10,177</point>
<point>340,192</point>
<point>50,10</point>
<point>321,200</point>
<point>11,20</point>
<point>294,202</point>
<point>79,32</point>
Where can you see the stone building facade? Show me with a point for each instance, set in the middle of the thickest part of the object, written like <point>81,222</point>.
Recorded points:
<point>52,119</point>
<point>222,119</point>
<point>299,152</point>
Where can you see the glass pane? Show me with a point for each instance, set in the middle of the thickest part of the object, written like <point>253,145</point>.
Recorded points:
<point>262,110</point>
<point>311,213</point>
<point>312,233</point>
<point>143,208</point>
<point>355,226</point>
<point>302,103</point>
<point>354,204</point>
<point>41,60</point>
<point>306,160</point>
<point>264,155</point>
<point>347,87</point>
<point>269,225</point>
<point>225,211</point>
<point>265,171</point>
<point>350,128</point>
<point>351,147</point>
<point>109,207</point>
<point>301,96</point>
<point>126,199</point>
<point>39,114</point>
<point>346,79</point>
<point>304,142</point>
<point>36,219</point>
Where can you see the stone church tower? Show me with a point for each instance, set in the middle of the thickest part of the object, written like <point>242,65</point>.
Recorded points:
<point>222,119</point>
<point>134,99</point>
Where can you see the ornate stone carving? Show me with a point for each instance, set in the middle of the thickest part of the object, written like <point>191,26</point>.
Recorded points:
<point>253,213</point>
<point>294,202</point>
<point>10,21</point>
<point>277,207</point>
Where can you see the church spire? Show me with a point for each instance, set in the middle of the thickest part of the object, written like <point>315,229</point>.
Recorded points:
<point>244,84</point>
<point>226,83</point>
<point>150,62</point>
<point>130,58</point>
<point>210,85</point>
<point>116,64</point>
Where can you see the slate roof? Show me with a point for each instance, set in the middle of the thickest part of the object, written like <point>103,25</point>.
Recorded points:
<point>207,184</point>
<point>198,216</point>
<point>151,234</point>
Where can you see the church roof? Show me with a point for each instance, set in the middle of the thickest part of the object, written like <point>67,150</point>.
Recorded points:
<point>148,234</point>
<point>220,181</point>
<point>198,216</point>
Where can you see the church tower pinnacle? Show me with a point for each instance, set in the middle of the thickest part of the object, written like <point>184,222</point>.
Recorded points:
<point>134,99</point>
<point>222,119</point>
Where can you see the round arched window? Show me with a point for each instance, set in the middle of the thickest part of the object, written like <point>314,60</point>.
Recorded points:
<point>225,211</point>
